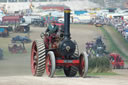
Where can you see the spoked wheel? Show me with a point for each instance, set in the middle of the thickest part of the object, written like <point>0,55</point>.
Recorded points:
<point>70,71</point>
<point>38,58</point>
<point>83,68</point>
<point>50,64</point>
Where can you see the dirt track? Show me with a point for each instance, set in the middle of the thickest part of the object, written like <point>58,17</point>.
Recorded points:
<point>15,70</point>
<point>60,80</point>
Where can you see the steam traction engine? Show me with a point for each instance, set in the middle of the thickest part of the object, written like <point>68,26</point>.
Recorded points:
<point>58,51</point>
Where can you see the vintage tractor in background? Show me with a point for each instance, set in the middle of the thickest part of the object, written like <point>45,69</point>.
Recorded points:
<point>17,48</point>
<point>58,51</point>
<point>96,48</point>
<point>116,61</point>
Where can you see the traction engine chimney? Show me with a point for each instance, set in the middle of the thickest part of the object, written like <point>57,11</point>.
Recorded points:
<point>67,24</point>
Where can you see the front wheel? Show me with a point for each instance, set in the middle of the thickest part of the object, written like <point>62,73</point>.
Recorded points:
<point>50,64</point>
<point>83,67</point>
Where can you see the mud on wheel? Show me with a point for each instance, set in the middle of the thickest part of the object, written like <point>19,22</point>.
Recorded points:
<point>38,58</point>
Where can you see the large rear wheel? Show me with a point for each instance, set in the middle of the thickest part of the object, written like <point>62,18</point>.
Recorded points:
<point>50,64</point>
<point>83,68</point>
<point>38,58</point>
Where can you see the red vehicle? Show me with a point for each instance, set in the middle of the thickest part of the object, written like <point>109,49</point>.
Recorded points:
<point>116,61</point>
<point>11,18</point>
<point>58,52</point>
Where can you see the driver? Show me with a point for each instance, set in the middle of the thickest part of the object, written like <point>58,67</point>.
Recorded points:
<point>52,28</point>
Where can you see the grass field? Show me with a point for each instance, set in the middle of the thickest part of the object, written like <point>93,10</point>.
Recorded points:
<point>113,47</point>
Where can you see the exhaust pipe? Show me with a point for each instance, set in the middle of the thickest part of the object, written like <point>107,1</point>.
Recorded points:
<point>67,46</point>
<point>67,24</point>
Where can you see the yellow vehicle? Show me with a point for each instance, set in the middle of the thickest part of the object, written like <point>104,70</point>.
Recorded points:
<point>98,25</point>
